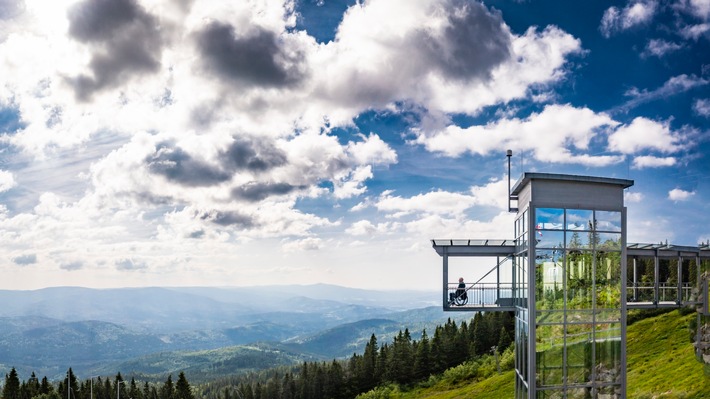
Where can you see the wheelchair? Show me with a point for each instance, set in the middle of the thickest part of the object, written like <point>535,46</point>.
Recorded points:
<point>458,298</point>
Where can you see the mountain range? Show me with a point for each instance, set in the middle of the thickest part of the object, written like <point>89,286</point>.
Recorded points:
<point>157,331</point>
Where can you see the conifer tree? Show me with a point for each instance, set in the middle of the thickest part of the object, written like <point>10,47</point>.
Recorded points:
<point>422,359</point>
<point>182,388</point>
<point>11,389</point>
<point>167,391</point>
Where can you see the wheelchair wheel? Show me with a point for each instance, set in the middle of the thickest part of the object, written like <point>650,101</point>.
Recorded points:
<point>461,300</point>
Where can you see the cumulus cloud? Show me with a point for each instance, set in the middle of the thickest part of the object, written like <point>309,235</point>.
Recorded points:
<point>71,266</point>
<point>630,196</point>
<point>659,48</point>
<point>128,264</point>
<point>255,58</point>
<point>7,180</point>
<point>701,107</point>
<point>678,194</point>
<point>24,260</point>
<point>650,161</point>
<point>125,41</point>
<point>635,13</point>
<point>643,133</point>
<point>695,32</point>
<point>552,135</point>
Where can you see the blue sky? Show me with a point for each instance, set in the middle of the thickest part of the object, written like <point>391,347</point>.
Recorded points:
<point>161,143</point>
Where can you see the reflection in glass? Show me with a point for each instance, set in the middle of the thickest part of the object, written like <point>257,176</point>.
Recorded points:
<point>608,352</point>
<point>609,241</point>
<point>549,239</point>
<point>579,219</point>
<point>549,218</point>
<point>608,221</point>
<point>549,280</point>
<point>579,353</point>
<point>579,240</point>
<point>550,349</point>
<point>579,286</point>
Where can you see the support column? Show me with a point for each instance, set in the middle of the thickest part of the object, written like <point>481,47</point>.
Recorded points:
<point>446,278</point>
<point>656,274</point>
<point>679,297</point>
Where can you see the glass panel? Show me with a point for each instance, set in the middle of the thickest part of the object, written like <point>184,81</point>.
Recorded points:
<point>579,219</point>
<point>641,289</point>
<point>608,221</point>
<point>579,286</point>
<point>550,394</point>
<point>579,240</point>
<point>609,241</point>
<point>609,392</point>
<point>579,353</point>
<point>608,353</point>
<point>549,239</point>
<point>579,393</point>
<point>549,276</point>
<point>608,280</point>
<point>550,350</point>
<point>549,218</point>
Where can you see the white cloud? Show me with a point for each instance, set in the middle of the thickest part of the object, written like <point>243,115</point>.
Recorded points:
<point>674,85</point>
<point>643,133</point>
<point>552,135</point>
<point>7,181</point>
<point>305,244</point>
<point>678,194</point>
<point>695,32</point>
<point>698,8</point>
<point>635,13</point>
<point>367,228</point>
<point>630,196</point>
<point>659,48</point>
<point>702,107</point>
<point>650,161</point>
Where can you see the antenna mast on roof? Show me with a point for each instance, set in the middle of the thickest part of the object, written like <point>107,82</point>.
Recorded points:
<point>509,154</point>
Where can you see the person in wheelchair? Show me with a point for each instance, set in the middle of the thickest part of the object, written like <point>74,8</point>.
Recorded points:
<point>459,297</point>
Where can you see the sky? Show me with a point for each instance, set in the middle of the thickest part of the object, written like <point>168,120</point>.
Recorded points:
<point>259,142</point>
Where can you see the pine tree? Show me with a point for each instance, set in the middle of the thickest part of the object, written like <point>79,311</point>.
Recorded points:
<point>422,359</point>
<point>11,389</point>
<point>182,388</point>
<point>167,391</point>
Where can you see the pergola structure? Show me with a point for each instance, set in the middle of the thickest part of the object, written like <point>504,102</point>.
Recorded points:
<point>570,277</point>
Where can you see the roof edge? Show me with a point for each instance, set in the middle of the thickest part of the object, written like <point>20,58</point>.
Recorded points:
<point>526,177</point>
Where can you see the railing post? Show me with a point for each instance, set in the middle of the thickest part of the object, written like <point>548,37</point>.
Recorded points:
<point>656,284</point>
<point>636,282</point>
<point>497,278</point>
<point>680,280</point>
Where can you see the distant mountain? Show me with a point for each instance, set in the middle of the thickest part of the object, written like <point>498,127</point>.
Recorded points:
<point>105,331</point>
<point>178,309</point>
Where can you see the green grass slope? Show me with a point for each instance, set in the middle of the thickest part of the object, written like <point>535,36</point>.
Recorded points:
<point>660,357</point>
<point>661,360</point>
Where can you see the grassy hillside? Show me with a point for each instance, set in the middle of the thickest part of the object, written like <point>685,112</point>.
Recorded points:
<point>661,364</point>
<point>661,360</point>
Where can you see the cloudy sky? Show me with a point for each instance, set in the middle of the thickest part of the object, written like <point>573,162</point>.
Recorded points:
<point>200,142</point>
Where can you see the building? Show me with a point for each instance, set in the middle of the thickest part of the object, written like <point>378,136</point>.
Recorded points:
<point>566,276</point>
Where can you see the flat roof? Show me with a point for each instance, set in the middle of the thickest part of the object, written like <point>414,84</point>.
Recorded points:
<point>527,177</point>
<point>506,247</point>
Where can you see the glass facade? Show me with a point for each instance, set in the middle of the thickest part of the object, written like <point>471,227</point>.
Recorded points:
<point>522,329</point>
<point>576,255</point>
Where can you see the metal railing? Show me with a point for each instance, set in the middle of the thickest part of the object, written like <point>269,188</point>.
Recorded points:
<point>667,292</point>
<point>482,294</point>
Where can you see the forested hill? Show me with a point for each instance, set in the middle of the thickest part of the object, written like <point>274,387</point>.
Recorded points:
<point>405,361</point>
